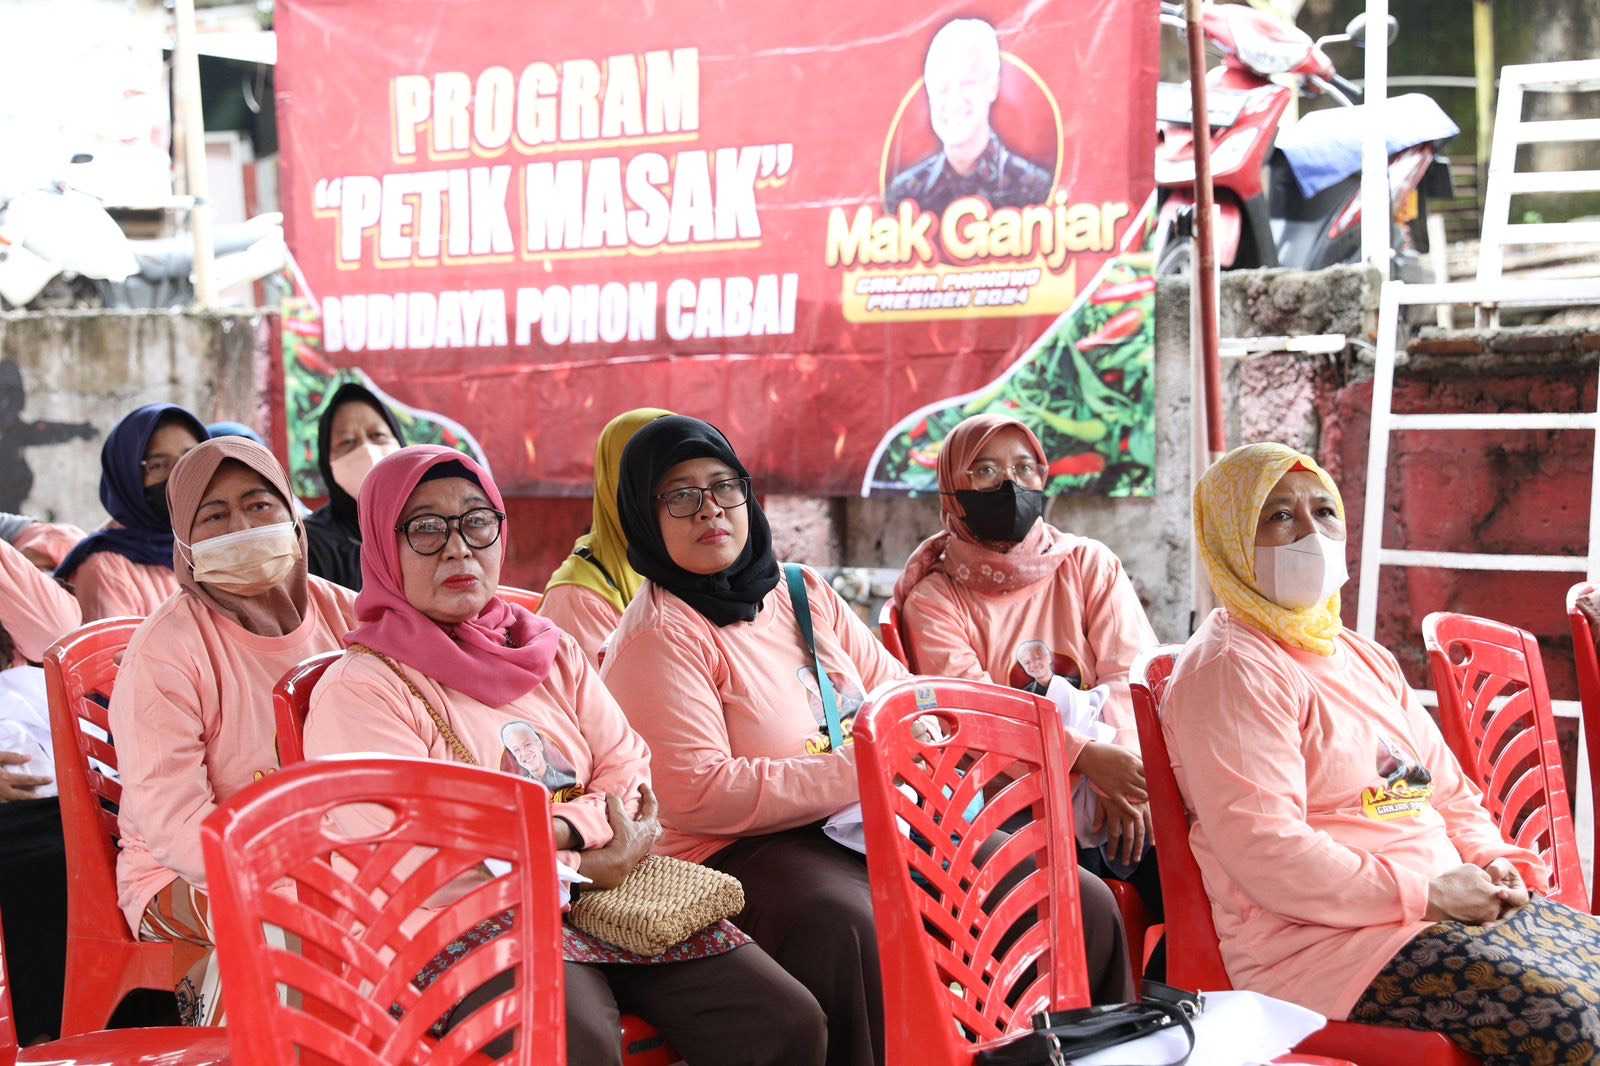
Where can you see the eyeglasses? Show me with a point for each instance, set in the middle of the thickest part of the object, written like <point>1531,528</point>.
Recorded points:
<point>160,466</point>
<point>429,533</point>
<point>687,501</point>
<point>1023,471</point>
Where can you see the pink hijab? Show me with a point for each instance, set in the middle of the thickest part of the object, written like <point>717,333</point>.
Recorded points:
<point>501,654</point>
<point>960,555</point>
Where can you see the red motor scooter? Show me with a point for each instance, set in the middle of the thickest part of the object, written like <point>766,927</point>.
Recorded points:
<point>1288,197</point>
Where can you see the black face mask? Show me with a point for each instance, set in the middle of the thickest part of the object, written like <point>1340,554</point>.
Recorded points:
<point>155,498</point>
<point>1003,514</point>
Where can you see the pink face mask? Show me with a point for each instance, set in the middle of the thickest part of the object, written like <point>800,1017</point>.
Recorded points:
<point>352,468</point>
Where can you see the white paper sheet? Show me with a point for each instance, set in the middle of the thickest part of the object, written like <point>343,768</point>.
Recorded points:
<point>1235,1029</point>
<point>565,874</point>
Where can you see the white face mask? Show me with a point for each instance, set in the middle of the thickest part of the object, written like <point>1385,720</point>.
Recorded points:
<point>1302,574</point>
<point>351,469</point>
<point>249,562</point>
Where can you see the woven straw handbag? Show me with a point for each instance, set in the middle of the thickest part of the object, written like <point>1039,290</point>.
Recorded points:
<point>662,902</point>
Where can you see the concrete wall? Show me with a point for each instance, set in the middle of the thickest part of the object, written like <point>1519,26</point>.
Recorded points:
<point>67,377</point>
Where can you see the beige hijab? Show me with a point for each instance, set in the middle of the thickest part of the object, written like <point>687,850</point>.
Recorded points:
<point>273,613</point>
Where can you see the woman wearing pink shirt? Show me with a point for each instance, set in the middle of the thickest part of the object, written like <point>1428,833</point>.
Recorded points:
<point>126,567</point>
<point>442,668</point>
<point>192,708</point>
<point>710,667</point>
<point>592,587</point>
<point>1351,865</point>
<point>35,612</point>
<point>1001,595</point>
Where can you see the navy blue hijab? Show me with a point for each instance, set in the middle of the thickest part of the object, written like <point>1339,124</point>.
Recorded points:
<point>145,536</point>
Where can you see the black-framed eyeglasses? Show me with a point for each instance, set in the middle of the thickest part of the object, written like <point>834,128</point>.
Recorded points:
<point>687,501</point>
<point>429,533</point>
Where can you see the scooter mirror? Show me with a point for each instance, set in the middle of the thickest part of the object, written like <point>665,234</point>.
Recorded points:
<point>81,157</point>
<point>1357,30</point>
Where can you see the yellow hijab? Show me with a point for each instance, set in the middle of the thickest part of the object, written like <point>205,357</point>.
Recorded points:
<point>1227,508</point>
<point>604,543</point>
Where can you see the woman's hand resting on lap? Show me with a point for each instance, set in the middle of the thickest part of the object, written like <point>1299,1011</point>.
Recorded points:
<point>631,840</point>
<point>1467,894</point>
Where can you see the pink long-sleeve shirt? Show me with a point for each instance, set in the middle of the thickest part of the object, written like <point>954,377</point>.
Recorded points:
<point>108,585</point>
<point>586,615</point>
<point>36,610</point>
<point>192,714</point>
<point>1087,615</point>
<point>567,731</point>
<point>1315,852</point>
<point>734,722</point>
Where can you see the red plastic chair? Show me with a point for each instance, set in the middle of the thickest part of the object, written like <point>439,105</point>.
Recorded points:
<point>1494,711</point>
<point>1588,663</point>
<point>1194,953</point>
<point>642,1045</point>
<point>952,982</point>
<point>1135,918</point>
<point>362,927</point>
<point>291,699</point>
<point>889,632</point>
<point>530,600</point>
<point>124,1047</point>
<point>104,961</point>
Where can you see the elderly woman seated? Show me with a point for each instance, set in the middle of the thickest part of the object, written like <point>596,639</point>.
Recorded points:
<point>443,668</point>
<point>1351,865</point>
<point>192,708</point>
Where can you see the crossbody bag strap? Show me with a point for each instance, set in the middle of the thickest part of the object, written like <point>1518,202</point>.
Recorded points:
<point>453,742</point>
<point>589,557</point>
<point>802,612</point>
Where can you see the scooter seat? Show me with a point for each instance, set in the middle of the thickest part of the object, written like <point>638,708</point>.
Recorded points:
<point>1324,147</point>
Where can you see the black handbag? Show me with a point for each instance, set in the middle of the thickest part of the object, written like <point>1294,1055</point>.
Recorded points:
<point>1057,1039</point>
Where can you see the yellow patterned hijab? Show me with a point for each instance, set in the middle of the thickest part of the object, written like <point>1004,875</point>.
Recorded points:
<point>1227,508</point>
<point>599,559</point>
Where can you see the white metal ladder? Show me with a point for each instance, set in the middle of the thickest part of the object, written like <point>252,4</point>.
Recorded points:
<point>1511,132</point>
<point>1489,293</point>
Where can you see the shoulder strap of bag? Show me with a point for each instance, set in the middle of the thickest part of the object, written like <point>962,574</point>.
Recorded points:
<point>802,613</point>
<point>453,742</point>
<point>589,557</point>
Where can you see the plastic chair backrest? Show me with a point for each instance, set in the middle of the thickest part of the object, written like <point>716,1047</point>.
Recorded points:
<point>1588,663</point>
<point>291,700</point>
<point>974,939</point>
<point>79,670</point>
<point>523,597</point>
<point>1494,711</point>
<point>889,632</point>
<point>359,911</point>
<point>1194,954</point>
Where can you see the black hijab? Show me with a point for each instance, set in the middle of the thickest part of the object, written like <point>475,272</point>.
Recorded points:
<point>735,594</point>
<point>334,532</point>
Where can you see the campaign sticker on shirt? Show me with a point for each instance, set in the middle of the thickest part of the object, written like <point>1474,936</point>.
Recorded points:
<point>849,697</point>
<point>527,754</point>
<point>1034,665</point>
<point>1407,787</point>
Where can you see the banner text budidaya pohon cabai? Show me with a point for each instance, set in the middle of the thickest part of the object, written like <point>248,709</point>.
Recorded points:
<point>833,230</point>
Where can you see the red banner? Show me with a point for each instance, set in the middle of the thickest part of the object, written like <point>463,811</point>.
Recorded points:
<point>809,224</point>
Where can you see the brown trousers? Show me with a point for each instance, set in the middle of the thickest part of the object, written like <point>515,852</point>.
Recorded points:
<point>736,1009</point>
<point>809,904</point>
